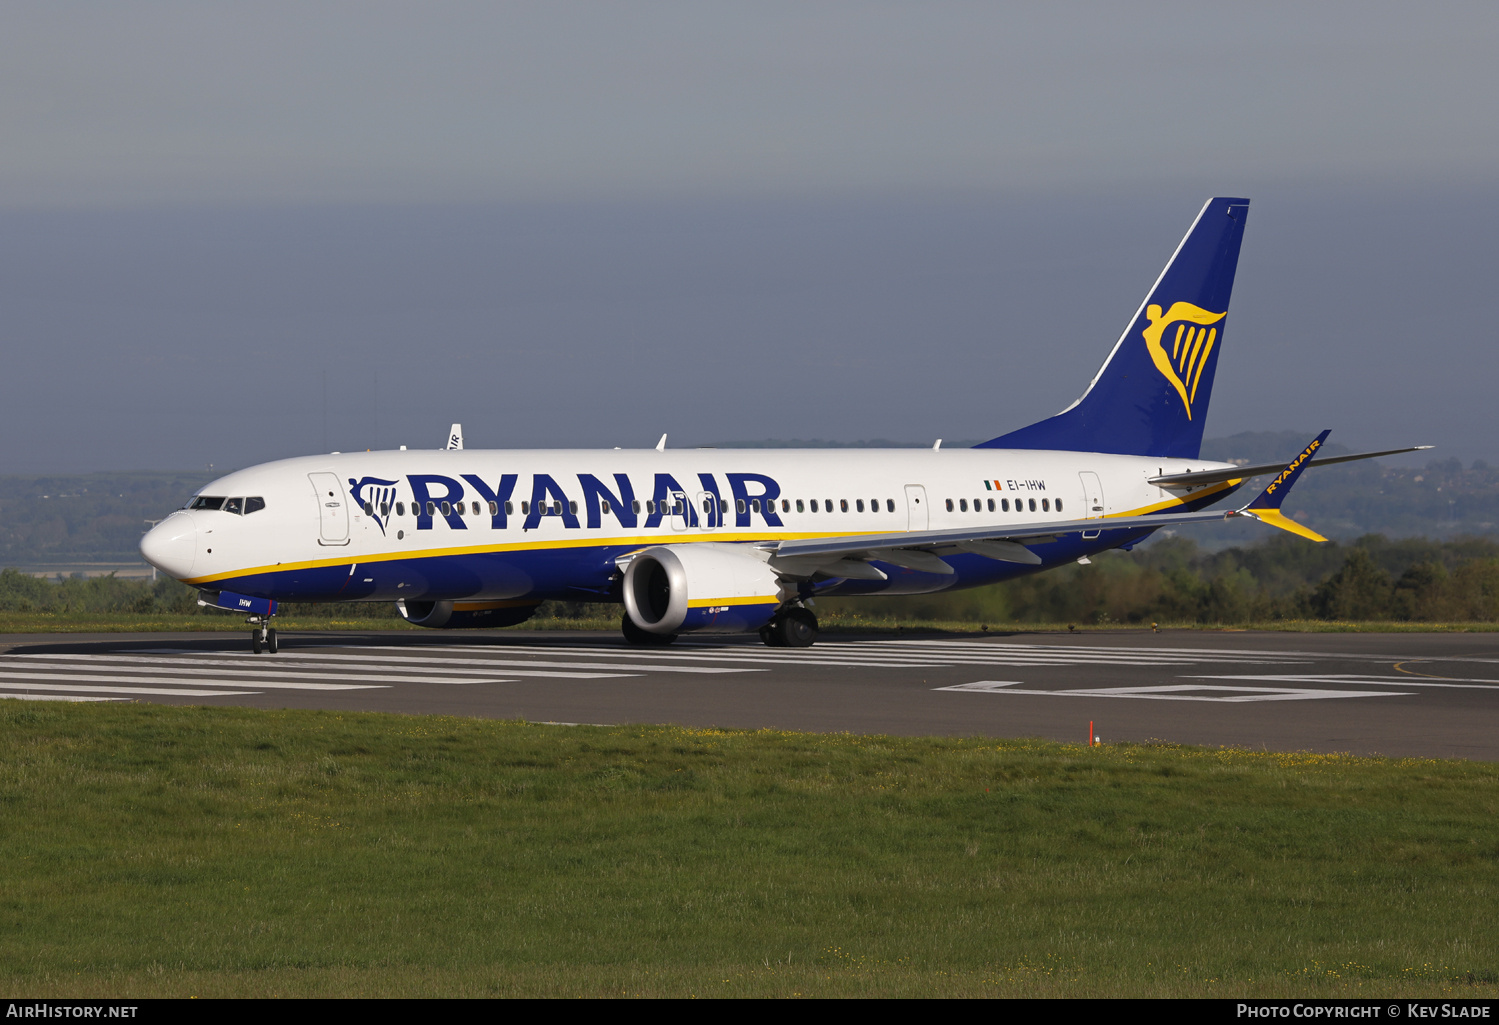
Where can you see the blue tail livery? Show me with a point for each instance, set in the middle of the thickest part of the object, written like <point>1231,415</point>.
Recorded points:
<point>1151,396</point>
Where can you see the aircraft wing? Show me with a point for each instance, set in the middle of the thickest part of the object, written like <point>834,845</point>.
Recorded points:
<point>1006,542</point>
<point>875,546</point>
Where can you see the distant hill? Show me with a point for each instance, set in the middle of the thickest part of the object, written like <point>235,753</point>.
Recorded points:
<point>100,517</point>
<point>96,517</point>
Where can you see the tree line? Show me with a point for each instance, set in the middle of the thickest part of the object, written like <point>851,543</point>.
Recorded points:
<point>1170,580</point>
<point>1173,580</point>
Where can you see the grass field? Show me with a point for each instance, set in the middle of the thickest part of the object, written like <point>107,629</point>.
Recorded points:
<point>153,850</point>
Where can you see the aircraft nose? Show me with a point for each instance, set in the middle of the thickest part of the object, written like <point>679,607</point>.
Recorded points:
<point>172,545</point>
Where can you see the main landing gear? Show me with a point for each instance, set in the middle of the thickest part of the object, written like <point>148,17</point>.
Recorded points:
<point>644,638</point>
<point>262,635</point>
<point>792,627</point>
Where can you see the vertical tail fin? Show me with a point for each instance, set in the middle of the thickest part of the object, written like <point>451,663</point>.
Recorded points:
<point>1151,396</point>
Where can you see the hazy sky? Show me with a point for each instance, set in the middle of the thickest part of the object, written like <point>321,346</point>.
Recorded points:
<point>591,223</point>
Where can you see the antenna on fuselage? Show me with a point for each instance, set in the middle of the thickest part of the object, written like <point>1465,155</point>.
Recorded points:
<point>938,445</point>
<point>661,445</point>
<point>455,437</point>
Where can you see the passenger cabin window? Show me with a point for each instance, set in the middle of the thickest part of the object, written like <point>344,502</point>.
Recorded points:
<point>991,505</point>
<point>400,508</point>
<point>1059,505</point>
<point>785,505</point>
<point>843,505</point>
<point>509,508</point>
<point>369,508</point>
<point>949,505</point>
<point>206,502</point>
<point>1004,505</point>
<point>1033,505</point>
<point>494,508</point>
<point>525,508</point>
<point>1046,505</point>
<point>858,505</point>
<point>890,504</point>
<point>754,505</point>
<point>962,505</point>
<point>798,505</point>
<point>813,502</point>
<point>572,506</point>
<point>739,505</point>
<point>635,505</point>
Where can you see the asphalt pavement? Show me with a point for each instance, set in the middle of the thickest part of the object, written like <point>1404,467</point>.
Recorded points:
<point>1406,694</point>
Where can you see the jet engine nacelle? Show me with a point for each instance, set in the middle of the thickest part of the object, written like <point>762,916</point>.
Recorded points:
<point>465,615</point>
<point>709,586</point>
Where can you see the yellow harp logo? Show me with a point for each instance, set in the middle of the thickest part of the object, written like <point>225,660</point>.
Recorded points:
<point>1189,347</point>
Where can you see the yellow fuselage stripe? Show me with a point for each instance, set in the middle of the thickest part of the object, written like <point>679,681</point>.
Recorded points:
<point>621,542</point>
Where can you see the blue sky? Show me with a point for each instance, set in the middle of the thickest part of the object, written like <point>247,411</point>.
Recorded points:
<point>586,224</point>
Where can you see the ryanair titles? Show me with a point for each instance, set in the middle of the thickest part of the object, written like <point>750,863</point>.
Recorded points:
<point>698,503</point>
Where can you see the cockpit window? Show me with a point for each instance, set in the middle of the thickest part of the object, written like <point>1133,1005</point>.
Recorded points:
<point>206,502</point>
<point>234,505</point>
<point>254,504</point>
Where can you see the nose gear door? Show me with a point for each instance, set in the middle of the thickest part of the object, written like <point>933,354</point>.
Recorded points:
<point>333,509</point>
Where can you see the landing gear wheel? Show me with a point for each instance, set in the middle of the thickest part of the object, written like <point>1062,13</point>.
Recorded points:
<point>255,643</point>
<point>271,644</point>
<point>793,628</point>
<point>644,638</point>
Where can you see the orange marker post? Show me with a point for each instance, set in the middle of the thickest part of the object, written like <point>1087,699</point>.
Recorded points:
<point>1090,732</point>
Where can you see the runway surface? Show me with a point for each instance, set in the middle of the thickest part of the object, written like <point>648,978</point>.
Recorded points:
<point>1431,695</point>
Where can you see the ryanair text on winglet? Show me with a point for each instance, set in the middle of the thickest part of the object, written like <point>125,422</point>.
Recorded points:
<point>1305,454</point>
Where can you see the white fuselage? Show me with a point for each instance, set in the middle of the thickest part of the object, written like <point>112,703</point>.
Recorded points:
<point>551,523</point>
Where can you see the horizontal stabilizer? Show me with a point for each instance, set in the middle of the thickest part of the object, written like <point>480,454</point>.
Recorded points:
<point>1198,477</point>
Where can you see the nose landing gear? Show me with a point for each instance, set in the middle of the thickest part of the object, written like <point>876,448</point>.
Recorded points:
<point>262,635</point>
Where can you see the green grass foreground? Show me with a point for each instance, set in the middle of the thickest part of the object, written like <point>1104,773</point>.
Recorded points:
<point>164,851</point>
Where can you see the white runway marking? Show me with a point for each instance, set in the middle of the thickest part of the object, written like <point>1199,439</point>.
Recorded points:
<point>443,662</point>
<point>267,671</point>
<point>1373,681</point>
<point>1177,692</point>
<point>54,697</point>
<point>742,653</point>
<point>127,674</point>
<point>905,654</point>
<point>177,692</point>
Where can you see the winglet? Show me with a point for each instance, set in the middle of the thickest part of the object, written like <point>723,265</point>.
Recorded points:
<point>1266,508</point>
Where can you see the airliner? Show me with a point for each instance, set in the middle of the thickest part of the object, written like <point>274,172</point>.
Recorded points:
<point>731,541</point>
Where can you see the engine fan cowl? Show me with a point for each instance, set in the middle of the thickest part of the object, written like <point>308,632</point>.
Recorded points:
<point>465,615</point>
<point>705,587</point>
